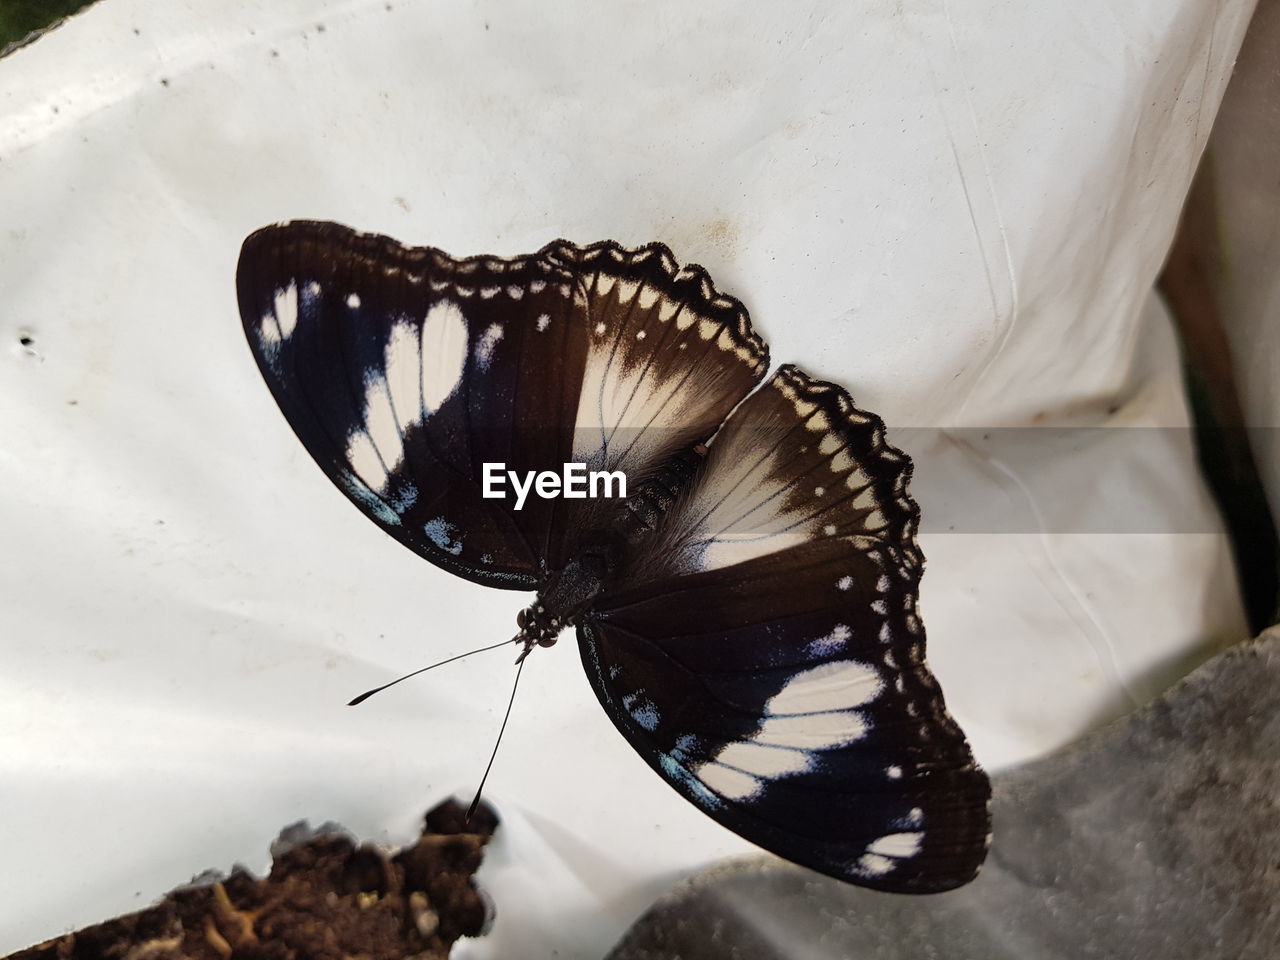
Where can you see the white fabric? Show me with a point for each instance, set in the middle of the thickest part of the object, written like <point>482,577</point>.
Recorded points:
<point>956,209</point>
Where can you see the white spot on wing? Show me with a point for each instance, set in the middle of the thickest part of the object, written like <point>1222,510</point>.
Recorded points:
<point>486,344</point>
<point>364,460</point>
<point>831,686</point>
<point>403,359</point>
<point>844,583</point>
<point>818,731</point>
<point>269,331</point>
<point>353,300</point>
<point>729,783</point>
<point>762,760</point>
<point>286,310</point>
<point>544,321</point>
<point>444,353</point>
<point>873,865</point>
<point>897,844</point>
<point>832,642</point>
<point>380,421</point>
<point>730,549</point>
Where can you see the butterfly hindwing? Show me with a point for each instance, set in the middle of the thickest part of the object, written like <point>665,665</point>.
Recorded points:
<point>404,371</point>
<point>767,657</point>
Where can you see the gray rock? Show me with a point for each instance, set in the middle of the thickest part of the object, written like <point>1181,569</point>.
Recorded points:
<point>1156,837</point>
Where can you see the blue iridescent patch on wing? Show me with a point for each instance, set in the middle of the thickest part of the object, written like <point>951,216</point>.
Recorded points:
<point>369,500</point>
<point>678,774</point>
<point>441,532</point>
<point>646,714</point>
<point>403,498</point>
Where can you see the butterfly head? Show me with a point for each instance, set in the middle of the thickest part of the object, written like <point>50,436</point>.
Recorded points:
<point>538,625</point>
<point>563,597</point>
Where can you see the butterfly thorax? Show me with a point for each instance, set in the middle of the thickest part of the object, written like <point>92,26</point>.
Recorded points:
<point>568,593</point>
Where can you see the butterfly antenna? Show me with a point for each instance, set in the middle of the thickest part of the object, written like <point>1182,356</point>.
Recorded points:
<point>369,693</point>
<point>480,789</point>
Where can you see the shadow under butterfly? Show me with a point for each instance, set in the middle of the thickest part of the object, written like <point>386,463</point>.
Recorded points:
<point>746,614</point>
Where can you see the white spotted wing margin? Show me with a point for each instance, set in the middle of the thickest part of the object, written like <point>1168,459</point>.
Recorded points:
<point>404,370</point>
<point>766,656</point>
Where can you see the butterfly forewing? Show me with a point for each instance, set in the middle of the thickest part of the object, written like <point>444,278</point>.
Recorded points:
<point>405,371</point>
<point>669,356</point>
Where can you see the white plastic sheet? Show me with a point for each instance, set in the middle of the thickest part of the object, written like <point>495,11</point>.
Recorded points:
<point>954,208</point>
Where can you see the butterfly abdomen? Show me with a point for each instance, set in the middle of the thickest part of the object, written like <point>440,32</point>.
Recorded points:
<point>655,495</point>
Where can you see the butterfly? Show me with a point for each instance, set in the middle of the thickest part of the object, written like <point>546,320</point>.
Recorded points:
<point>746,614</point>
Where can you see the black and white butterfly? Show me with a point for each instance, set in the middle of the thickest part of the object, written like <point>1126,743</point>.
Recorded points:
<point>746,615</point>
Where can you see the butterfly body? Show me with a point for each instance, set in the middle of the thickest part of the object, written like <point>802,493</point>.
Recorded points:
<point>747,615</point>
<point>566,595</point>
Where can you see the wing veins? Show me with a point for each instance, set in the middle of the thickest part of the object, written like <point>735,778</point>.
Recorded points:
<point>742,478</point>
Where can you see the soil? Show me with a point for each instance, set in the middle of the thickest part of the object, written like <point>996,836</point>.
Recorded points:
<point>326,898</point>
